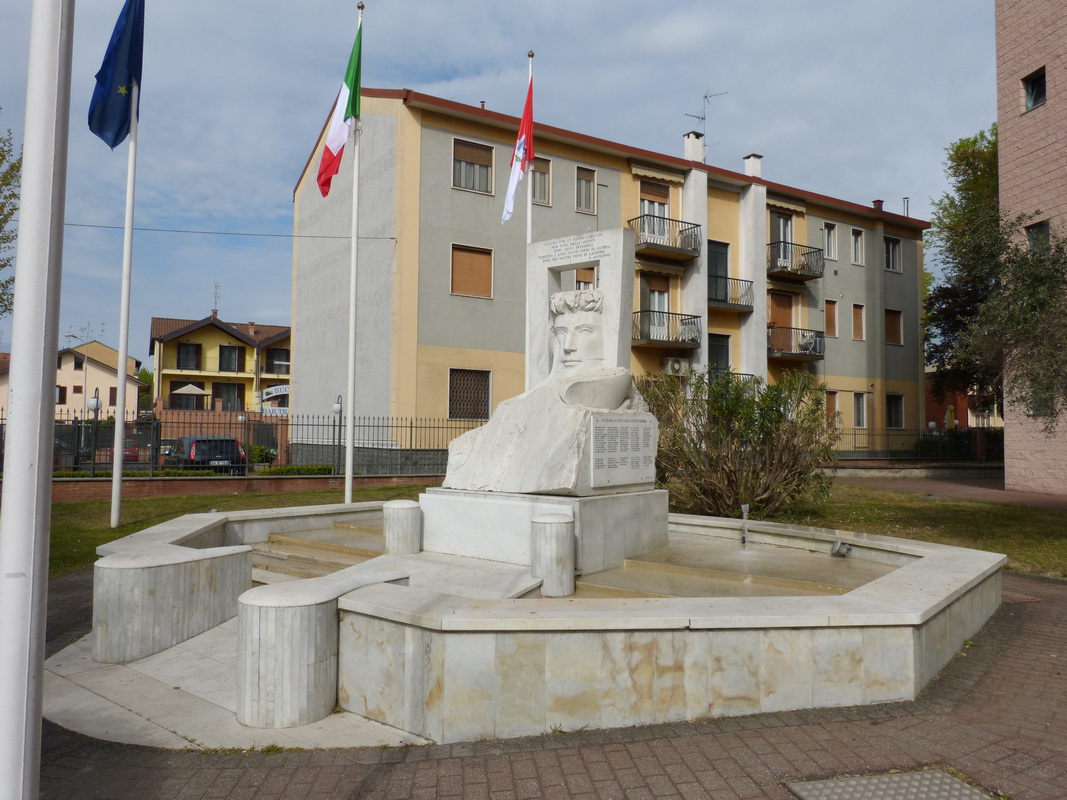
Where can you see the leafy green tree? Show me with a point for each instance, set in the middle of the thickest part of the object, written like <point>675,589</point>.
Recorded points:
<point>1019,333</point>
<point>968,238</point>
<point>10,182</point>
<point>726,441</point>
<point>144,398</point>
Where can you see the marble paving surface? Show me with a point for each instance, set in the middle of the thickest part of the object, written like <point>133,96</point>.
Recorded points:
<point>183,698</point>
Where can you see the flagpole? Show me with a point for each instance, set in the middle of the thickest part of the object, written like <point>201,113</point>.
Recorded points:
<point>350,418</point>
<point>529,178</point>
<point>25,514</point>
<point>124,317</point>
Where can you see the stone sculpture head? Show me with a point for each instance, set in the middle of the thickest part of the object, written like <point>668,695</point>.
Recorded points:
<point>578,329</point>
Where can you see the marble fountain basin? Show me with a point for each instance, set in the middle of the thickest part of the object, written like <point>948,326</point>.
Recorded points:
<point>454,648</point>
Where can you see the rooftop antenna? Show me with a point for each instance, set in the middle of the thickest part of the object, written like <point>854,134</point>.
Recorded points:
<point>703,117</point>
<point>218,294</point>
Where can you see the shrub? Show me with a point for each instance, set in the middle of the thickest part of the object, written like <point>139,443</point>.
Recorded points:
<point>725,441</point>
<point>298,469</point>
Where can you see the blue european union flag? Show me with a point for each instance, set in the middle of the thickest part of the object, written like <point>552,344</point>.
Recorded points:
<point>110,108</point>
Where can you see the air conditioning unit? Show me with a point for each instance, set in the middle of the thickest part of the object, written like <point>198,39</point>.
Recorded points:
<point>675,366</point>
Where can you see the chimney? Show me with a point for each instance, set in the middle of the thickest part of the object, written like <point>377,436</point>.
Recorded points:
<point>694,146</point>
<point>215,313</point>
<point>877,205</point>
<point>752,165</point>
<point>251,329</point>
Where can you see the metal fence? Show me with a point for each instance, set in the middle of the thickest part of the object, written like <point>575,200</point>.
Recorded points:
<point>961,443</point>
<point>383,445</point>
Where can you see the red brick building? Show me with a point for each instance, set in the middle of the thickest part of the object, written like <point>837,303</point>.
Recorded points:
<point>1032,125</point>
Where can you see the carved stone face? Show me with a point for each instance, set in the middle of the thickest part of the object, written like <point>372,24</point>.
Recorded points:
<point>579,340</point>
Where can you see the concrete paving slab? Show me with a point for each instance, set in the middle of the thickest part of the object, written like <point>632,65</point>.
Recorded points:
<point>931,784</point>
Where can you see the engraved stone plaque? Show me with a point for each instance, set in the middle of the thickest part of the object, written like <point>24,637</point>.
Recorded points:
<point>623,449</point>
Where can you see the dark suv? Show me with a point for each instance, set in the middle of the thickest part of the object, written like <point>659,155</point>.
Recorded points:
<point>220,453</point>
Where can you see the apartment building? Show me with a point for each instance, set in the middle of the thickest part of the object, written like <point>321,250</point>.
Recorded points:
<point>88,370</point>
<point>208,364</point>
<point>1031,45</point>
<point>732,271</point>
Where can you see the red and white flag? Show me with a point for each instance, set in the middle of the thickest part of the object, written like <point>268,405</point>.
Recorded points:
<point>345,109</point>
<point>523,154</point>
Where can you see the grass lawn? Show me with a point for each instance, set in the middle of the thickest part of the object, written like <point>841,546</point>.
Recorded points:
<point>1033,539</point>
<point>79,528</point>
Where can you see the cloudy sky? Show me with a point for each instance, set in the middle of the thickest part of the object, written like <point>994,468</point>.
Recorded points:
<point>852,98</point>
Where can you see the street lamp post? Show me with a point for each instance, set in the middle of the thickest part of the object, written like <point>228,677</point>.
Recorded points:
<point>94,406</point>
<point>337,435</point>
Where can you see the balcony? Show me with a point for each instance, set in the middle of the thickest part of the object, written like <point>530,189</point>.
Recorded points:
<point>666,329</point>
<point>730,293</point>
<point>795,344</point>
<point>794,261</point>
<point>665,237</point>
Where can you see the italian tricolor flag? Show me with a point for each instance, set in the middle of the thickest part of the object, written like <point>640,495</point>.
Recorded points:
<point>345,109</point>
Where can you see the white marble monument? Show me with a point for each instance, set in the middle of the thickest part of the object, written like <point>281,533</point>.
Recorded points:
<point>580,433</point>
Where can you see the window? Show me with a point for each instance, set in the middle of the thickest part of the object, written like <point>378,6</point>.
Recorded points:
<point>584,279</point>
<point>829,241</point>
<point>59,362</point>
<point>894,328</point>
<point>857,323</point>
<point>231,394</point>
<point>1034,89</point>
<point>892,255</point>
<point>227,358</point>
<point>718,352</point>
<point>79,363</point>
<point>277,360</point>
<point>188,355</point>
<point>61,395</point>
<point>784,224</point>
<point>113,396</point>
<point>585,196</point>
<point>186,402</point>
<point>468,393</point>
<point>1039,234</point>
<point>472,166</point>
<point>831,409</point>
<point>831,318</point>
<point>541,182</point>
<point>894,411</point>
<point>857,247</point>
<point>719,273</point>
<point>859,410</point>
<point>472,271</point>
<point>77,390</point>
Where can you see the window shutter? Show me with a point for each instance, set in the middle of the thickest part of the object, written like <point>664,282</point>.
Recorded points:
<point>472,272</point>
<point>655,192</point>
<point>659,283</point>
<point>892,327</point>
<point>240,358</point>
<point>199,350</point>
<point>585,275</point>
<point>831,318</point>
<point>241,393</point>
<point>112,396</point>
<point>473,153</point>
<point>857,322</point>
<point>540,165</point>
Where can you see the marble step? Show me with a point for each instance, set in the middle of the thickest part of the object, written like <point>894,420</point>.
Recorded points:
<point>302,561</point>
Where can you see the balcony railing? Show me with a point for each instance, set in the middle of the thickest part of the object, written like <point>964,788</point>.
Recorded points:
<point>729,293</point>
<point>668,237</point>
<point>796,261</point>
<point>667,329</point>
<point>798,344</point>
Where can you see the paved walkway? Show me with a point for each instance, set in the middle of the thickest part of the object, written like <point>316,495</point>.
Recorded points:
<point>983,490</point>
<point>998,714</point>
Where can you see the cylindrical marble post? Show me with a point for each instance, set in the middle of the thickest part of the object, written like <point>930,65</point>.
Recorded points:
<point>552,549</point>
<point>402,527</point>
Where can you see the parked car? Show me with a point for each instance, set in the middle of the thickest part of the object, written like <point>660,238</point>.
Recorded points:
<point>220,453</point>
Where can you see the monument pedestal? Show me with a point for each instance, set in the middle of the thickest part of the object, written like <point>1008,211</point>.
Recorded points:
<point>609,528</point>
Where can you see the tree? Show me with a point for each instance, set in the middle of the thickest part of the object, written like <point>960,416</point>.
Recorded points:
<point>725,441</point>
<point>968,237</point>
<point>10,177</point>
<point>1019,333</point>
<point>144,398</point>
